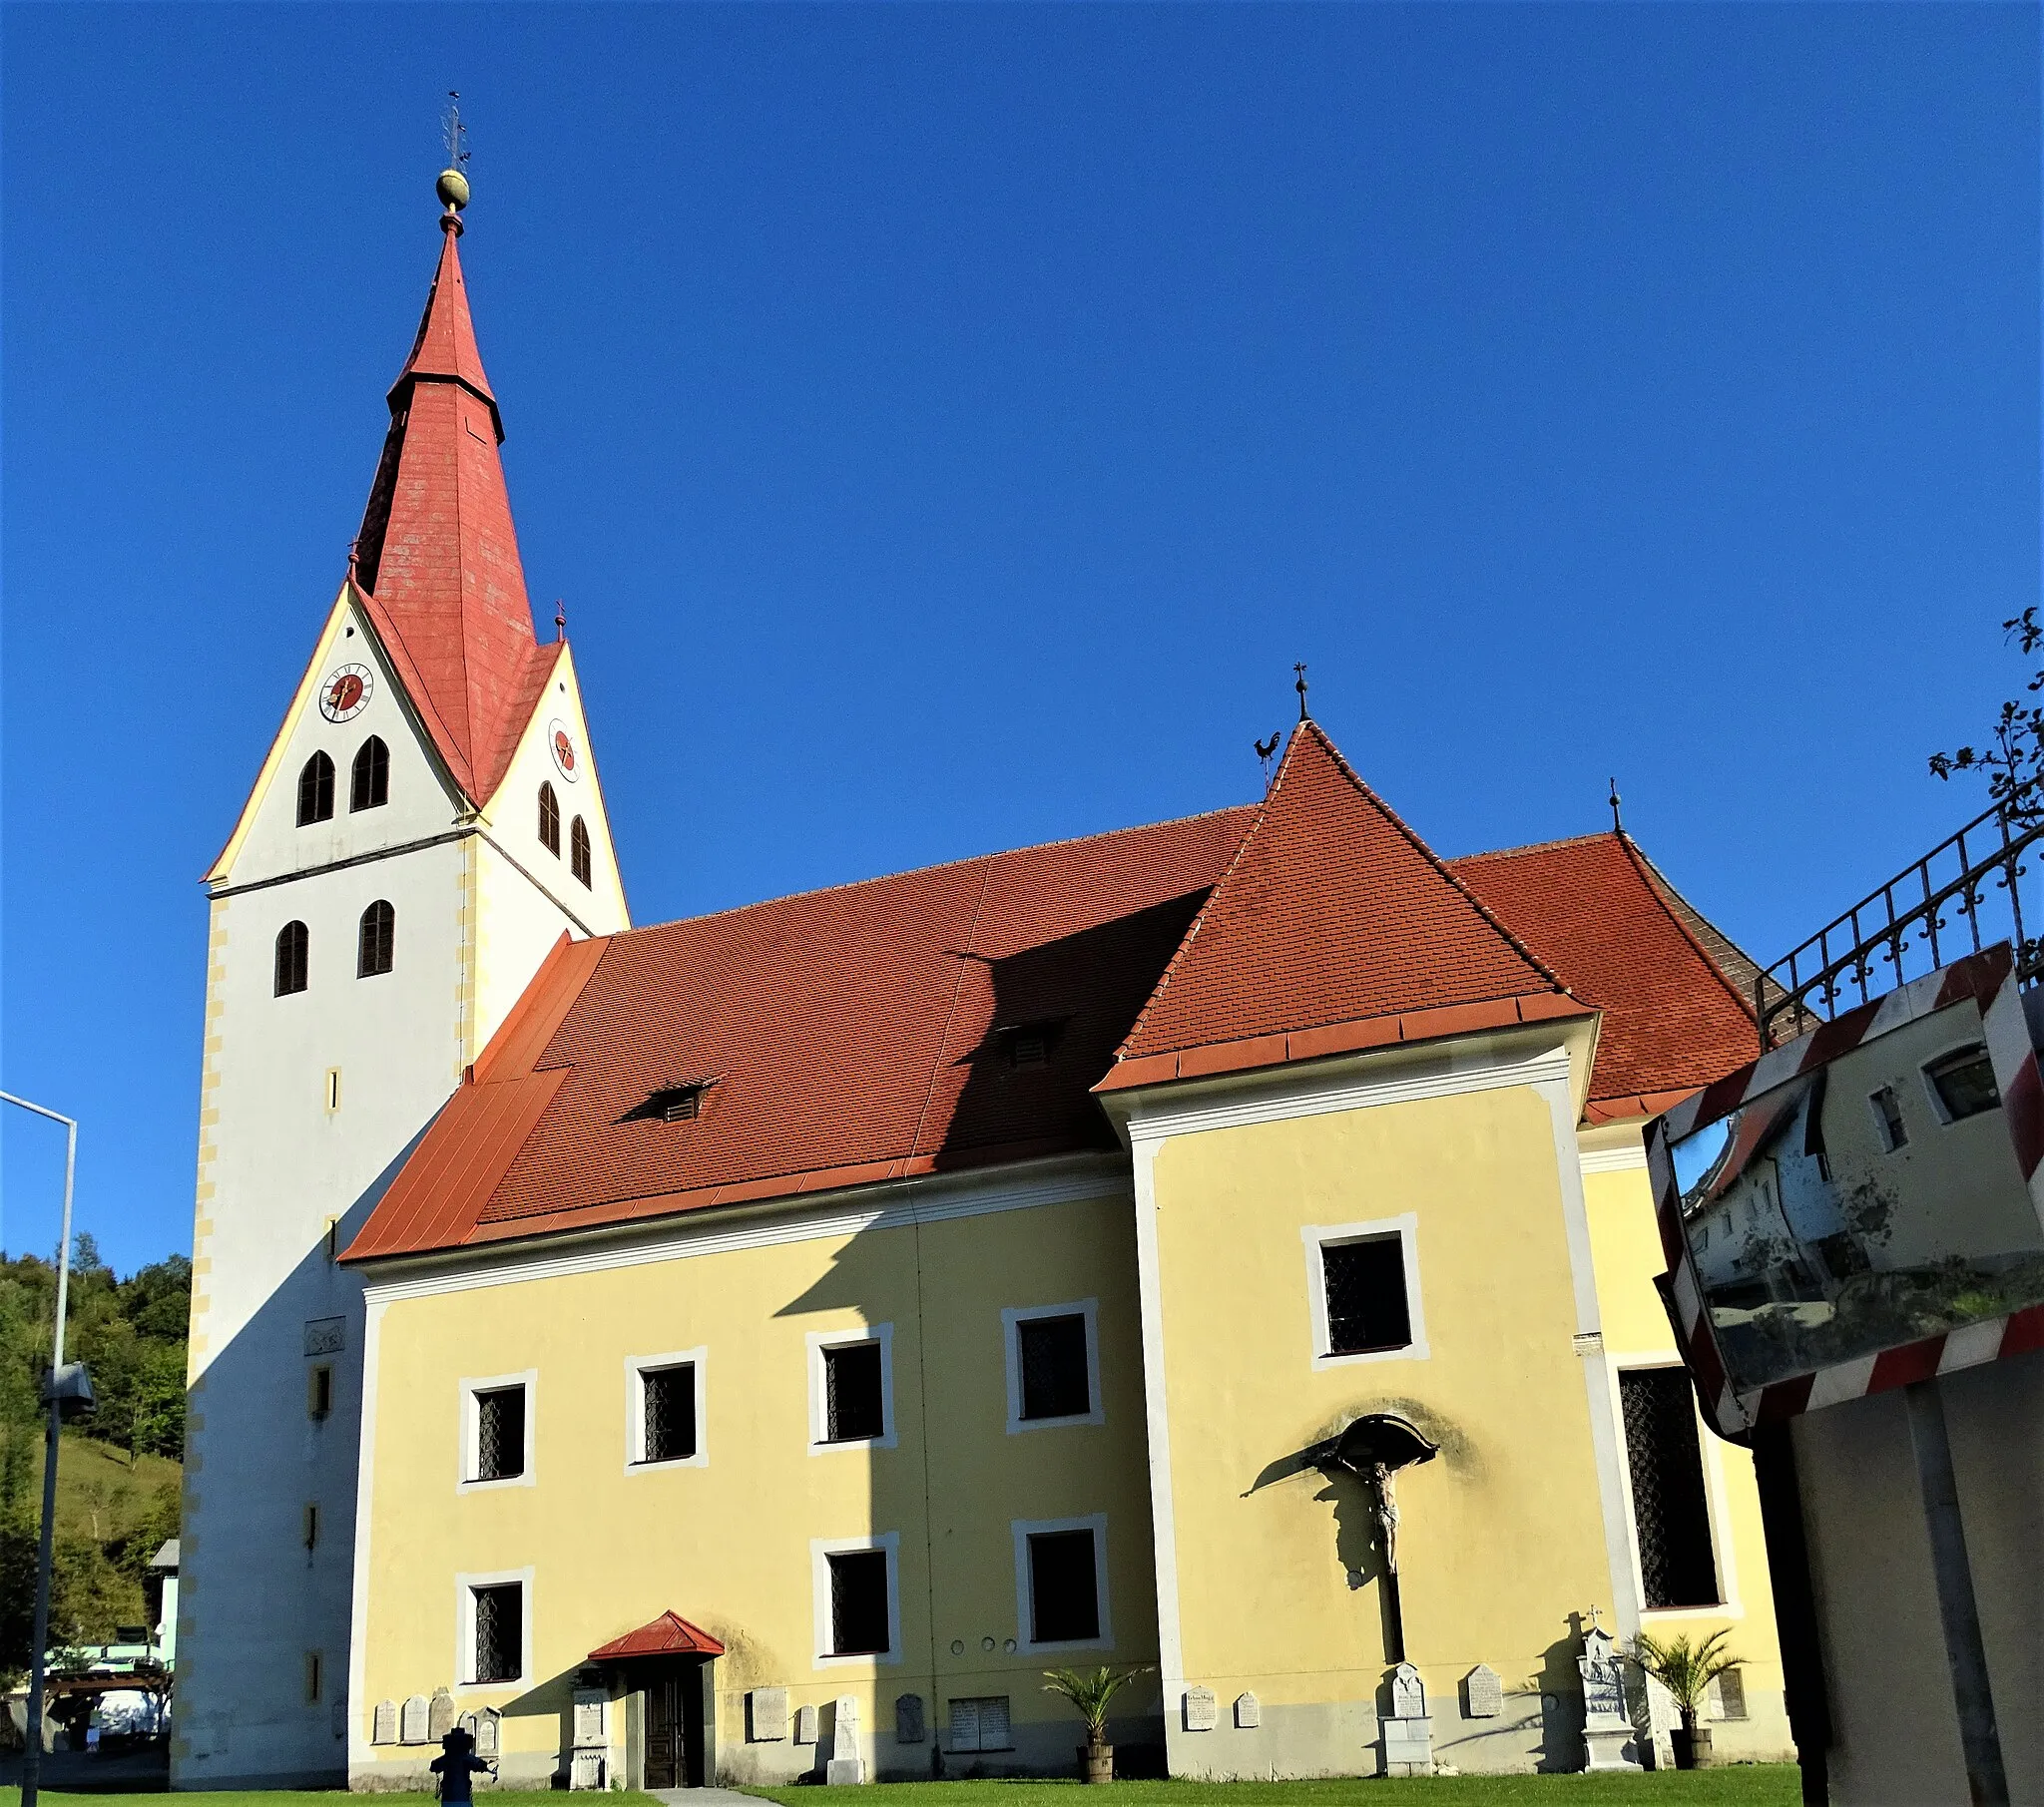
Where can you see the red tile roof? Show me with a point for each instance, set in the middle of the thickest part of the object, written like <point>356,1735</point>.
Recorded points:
<point>1597,913</point>
<point>844,1036</point>
<point>864,1034</point>
<point>668,1636</point>
<point>1332,912</point>
<point>436,561</point>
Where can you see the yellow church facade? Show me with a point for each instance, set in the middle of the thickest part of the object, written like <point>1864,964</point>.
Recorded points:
<point>856,1456</point>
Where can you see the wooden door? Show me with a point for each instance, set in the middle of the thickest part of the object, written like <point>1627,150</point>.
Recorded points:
<point>665,1762</point>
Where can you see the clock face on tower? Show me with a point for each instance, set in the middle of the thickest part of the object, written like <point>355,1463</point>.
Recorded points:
<point>567,761</point>
<point>345,693</point>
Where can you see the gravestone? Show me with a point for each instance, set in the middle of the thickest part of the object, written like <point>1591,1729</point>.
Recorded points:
<point>589,1706</point>
<point>414,1722</point>
<point>805,1725</point>
<point>384,1723</point>
<point>587,1770</point>
<point>486,1733</point>
<point>844,1769</point>
<point>1248,1713</point>
<point>1407,1732</point>
<point>909,1720</point>
<point>1483,1693</point>
<point>1608,1740</point>
<point>766,1715</point>
<point>440,1716</point>
<point>1201,1709</point>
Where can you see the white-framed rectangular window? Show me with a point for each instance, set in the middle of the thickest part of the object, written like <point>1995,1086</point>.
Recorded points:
<point>1362,1291</point>
<point>496,1431</point>
<point>1061,1585</point>
<point>1053,1358</point>
<point>857,1586</point>
<point>493,1628</point>
<point>851,1389</point>
<point>980,1723</point>
<point>665,1397</point>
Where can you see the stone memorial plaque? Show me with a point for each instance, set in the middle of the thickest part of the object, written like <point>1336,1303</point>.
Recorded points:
<point>766,1715</point>
<point>587,1770</point>
<point>440,1716</point>
<point>1248,1713</point>
<point>1202,1710</point>
<point>1408,1747</point>
<point>1408,1694</point>
<point>326,1336</point>
<point>589,1706</point>
<point>845,1770</point>
<point>1485,1692</point>
<point>1603,1684</point>
<point>909,1720</point>
<point>414,1722</point>
<point>805,1725</point>
<point>384,1723</point>
<point>486,1733</point>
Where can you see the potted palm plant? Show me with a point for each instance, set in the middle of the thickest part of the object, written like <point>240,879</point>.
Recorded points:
<point>1685,1668</point>
<point>1089,1690</point>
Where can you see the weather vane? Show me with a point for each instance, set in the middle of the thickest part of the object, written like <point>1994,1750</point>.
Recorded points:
<point>452,186</point>
<point>1299,687</point>
<point>1266,751</point>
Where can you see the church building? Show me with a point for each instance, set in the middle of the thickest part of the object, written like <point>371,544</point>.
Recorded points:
<point>759,1346</point>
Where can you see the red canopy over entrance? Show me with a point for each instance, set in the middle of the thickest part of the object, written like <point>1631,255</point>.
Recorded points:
<point>668,1636</point>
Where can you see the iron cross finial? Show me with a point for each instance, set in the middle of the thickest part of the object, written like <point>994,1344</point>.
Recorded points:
<point>1299,687</point>
<point>1617,824</point>
<point>560,618</point>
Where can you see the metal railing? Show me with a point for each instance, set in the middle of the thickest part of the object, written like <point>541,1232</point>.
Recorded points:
<point>1965,894</point>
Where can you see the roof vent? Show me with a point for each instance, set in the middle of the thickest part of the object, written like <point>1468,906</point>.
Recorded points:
<point>671,1104</point>
<point>1027,1045</point>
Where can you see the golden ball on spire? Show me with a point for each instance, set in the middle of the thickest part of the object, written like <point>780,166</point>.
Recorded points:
<point>452,188</point>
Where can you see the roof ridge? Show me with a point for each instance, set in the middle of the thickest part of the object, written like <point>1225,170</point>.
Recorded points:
<point>1650,877</point>
<point>1566,840</point>
<point>945,865</point>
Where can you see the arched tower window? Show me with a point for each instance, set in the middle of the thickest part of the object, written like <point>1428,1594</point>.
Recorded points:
<point>578,850</point>
<point>293,946</point>
<point>369,784</point>
<point>378,940</point>
<point>315,790</point>
<point>550,820</point>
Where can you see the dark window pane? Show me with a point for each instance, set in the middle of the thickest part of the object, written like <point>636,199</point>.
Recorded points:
<point>370,781</point>
<point>1670,1511</point>
<point>578,850</point>
<point>1055,1383</point>
<point>293,948</point>
<point>549,820</point>
<point>1366,1306</point>
<point>1064,1593</point>
<point>500,1434</point>
<point>1887,1110</point>
<point>378,941</point>
<point>1965,1082</point>
<point>315,790</point>
<point>499,1632</point>
<point>858,1602</point>
<point>854,1406</point>
<point>670,1413</point>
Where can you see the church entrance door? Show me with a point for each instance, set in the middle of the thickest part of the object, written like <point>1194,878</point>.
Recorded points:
<point>674,1692</point>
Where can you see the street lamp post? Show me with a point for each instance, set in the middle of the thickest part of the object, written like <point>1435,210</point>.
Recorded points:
<point>62,1388</point>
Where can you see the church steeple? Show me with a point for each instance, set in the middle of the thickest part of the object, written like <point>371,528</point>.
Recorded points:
<point>437,558</point>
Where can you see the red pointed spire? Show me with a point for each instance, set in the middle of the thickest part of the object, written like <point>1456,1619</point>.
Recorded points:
<point>437,557</point>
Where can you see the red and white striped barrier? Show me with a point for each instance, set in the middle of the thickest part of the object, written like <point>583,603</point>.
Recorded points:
<point>1984,977</point>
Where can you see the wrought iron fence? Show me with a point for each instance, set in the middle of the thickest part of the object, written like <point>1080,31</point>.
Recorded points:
<point>1965,894</point>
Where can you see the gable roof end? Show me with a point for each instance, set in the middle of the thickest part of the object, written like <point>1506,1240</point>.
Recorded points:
<point>1335,927</point>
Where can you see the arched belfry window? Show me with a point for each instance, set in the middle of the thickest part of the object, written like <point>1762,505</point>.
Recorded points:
<point>378,942</point>
<point>578,850</point>
<point>293,946</point>
<point>315,790</point>
<point>369,784</point>
<point>550,820</point>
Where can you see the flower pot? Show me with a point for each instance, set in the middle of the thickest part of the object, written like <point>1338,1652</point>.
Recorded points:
<point>1692,1748</point>
<point>1095,1762</point>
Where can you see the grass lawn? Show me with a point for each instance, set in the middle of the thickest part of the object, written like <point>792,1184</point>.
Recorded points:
<point>1749,1785</point>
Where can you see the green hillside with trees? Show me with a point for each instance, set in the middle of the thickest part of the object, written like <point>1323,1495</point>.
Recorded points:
<point>119,1475</point>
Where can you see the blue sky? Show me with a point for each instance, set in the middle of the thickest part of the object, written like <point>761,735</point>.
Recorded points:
<point>947,424</point>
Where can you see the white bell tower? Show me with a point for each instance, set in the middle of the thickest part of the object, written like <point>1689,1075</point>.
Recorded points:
<point>426,825</point>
